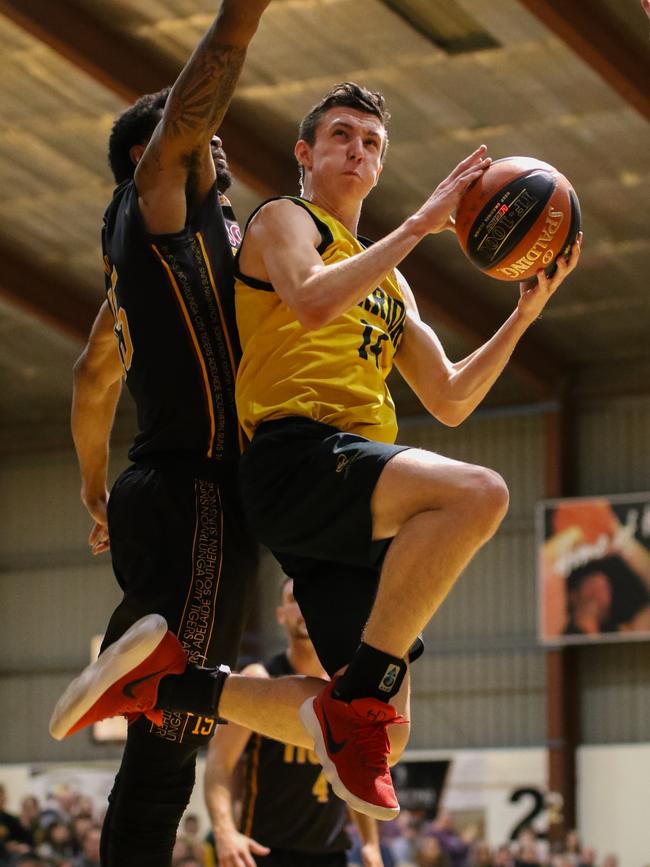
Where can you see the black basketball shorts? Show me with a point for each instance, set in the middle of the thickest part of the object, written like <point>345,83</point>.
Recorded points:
<point>180,548</point>
<point>306,489</point>
<point>286,858</point>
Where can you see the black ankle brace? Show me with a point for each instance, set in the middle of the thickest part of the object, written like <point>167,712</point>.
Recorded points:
<point>371,674</point>
<point>197,690</point>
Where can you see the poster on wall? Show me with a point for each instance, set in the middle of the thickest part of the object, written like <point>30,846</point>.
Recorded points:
<point>594,569</point>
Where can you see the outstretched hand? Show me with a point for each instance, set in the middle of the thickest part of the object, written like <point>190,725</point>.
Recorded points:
<point>534,294</point>
<point>437,212</point>
<point>646,6</point>
<point>237,850</point>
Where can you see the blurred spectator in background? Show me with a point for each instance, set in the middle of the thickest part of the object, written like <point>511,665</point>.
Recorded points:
<point>431,854</point>
<point>401,836</point>
<point>528,852</point>
<point>587,857</point>
<point>57,807</point>
<point>30,859</point>
<point>408,841</point>
<point>89,856</point>
<point>190,835</point>
<point>182,851</point>
<point>481,855</point>
<point>190,830</point>
<point>14,839</point>
<point>503,857</point>
<point>571,844</point>
<point>453,844</point>
<point>58,845</point>
<point>81,825</point>
<point>30,818</point>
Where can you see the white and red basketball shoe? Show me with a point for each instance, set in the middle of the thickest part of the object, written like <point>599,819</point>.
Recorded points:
<point>123,680</point>
<point>352,745</point>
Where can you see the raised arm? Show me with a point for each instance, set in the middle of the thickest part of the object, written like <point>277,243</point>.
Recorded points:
<point>178,161</point>
<point>281,241</point>
<point>97,383</point>
<point>452,391</point>
<point>224,752</point>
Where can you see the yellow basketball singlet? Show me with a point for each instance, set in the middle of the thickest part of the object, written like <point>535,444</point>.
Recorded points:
<point>335,374</point>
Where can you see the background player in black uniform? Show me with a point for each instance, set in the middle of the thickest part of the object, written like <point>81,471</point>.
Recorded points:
<point>290,817</point>
<point>177,537</point>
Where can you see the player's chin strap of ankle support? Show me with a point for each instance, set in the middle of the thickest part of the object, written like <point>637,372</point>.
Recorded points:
<point>197,690</point>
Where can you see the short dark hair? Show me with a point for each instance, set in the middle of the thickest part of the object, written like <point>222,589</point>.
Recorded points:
<point>350,95</point>
<point>612,566</point>
<point>629,592</point>
<point>132,127</point>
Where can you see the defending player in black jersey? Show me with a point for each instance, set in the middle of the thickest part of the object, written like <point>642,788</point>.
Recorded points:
<point>290,817</point>
<point>179,547</point>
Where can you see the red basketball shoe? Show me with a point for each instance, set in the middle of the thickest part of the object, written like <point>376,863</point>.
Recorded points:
<point>123,680</point>
<point>352,745</point>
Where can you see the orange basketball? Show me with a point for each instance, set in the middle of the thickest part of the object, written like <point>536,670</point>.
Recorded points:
<point>517,218</point>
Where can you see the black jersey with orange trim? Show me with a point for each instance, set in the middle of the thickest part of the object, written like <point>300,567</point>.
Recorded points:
<point>172,297</point>
<point>287,802</point>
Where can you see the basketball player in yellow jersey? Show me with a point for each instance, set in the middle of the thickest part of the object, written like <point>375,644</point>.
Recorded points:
<point>350,515</point>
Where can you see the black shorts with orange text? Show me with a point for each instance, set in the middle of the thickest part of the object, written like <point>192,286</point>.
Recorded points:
<point>180,548</point>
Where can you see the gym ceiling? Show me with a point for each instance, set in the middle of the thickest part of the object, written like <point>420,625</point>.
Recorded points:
<point>561,80</point>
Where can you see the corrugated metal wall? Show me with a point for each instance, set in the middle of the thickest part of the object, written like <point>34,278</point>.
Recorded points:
<point>55,596</point>
<point>482,681</point>
<point>614,458</point>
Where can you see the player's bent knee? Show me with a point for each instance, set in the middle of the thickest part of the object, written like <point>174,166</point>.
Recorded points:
<point>490,498</point>
<point>498,494</point>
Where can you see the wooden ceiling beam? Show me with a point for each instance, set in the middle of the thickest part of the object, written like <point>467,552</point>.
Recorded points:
<point>599,39</point>
<point>122,65</point>
<point>129,69</point>
<point>85,42</point>
<point>36,290</point>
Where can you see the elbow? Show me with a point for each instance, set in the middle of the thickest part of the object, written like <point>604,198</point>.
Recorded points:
<point>93,380</point>
<point>449,413</point>
<point>453,419</point>
<point>80,369</point>
<point>313,317</point>
<point>312,323</point>
<point>85,377</point>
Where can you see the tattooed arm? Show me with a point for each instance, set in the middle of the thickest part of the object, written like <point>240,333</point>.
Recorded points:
<point>178,157</point>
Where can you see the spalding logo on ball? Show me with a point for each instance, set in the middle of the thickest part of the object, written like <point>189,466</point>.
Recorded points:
<point>518,217</point>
